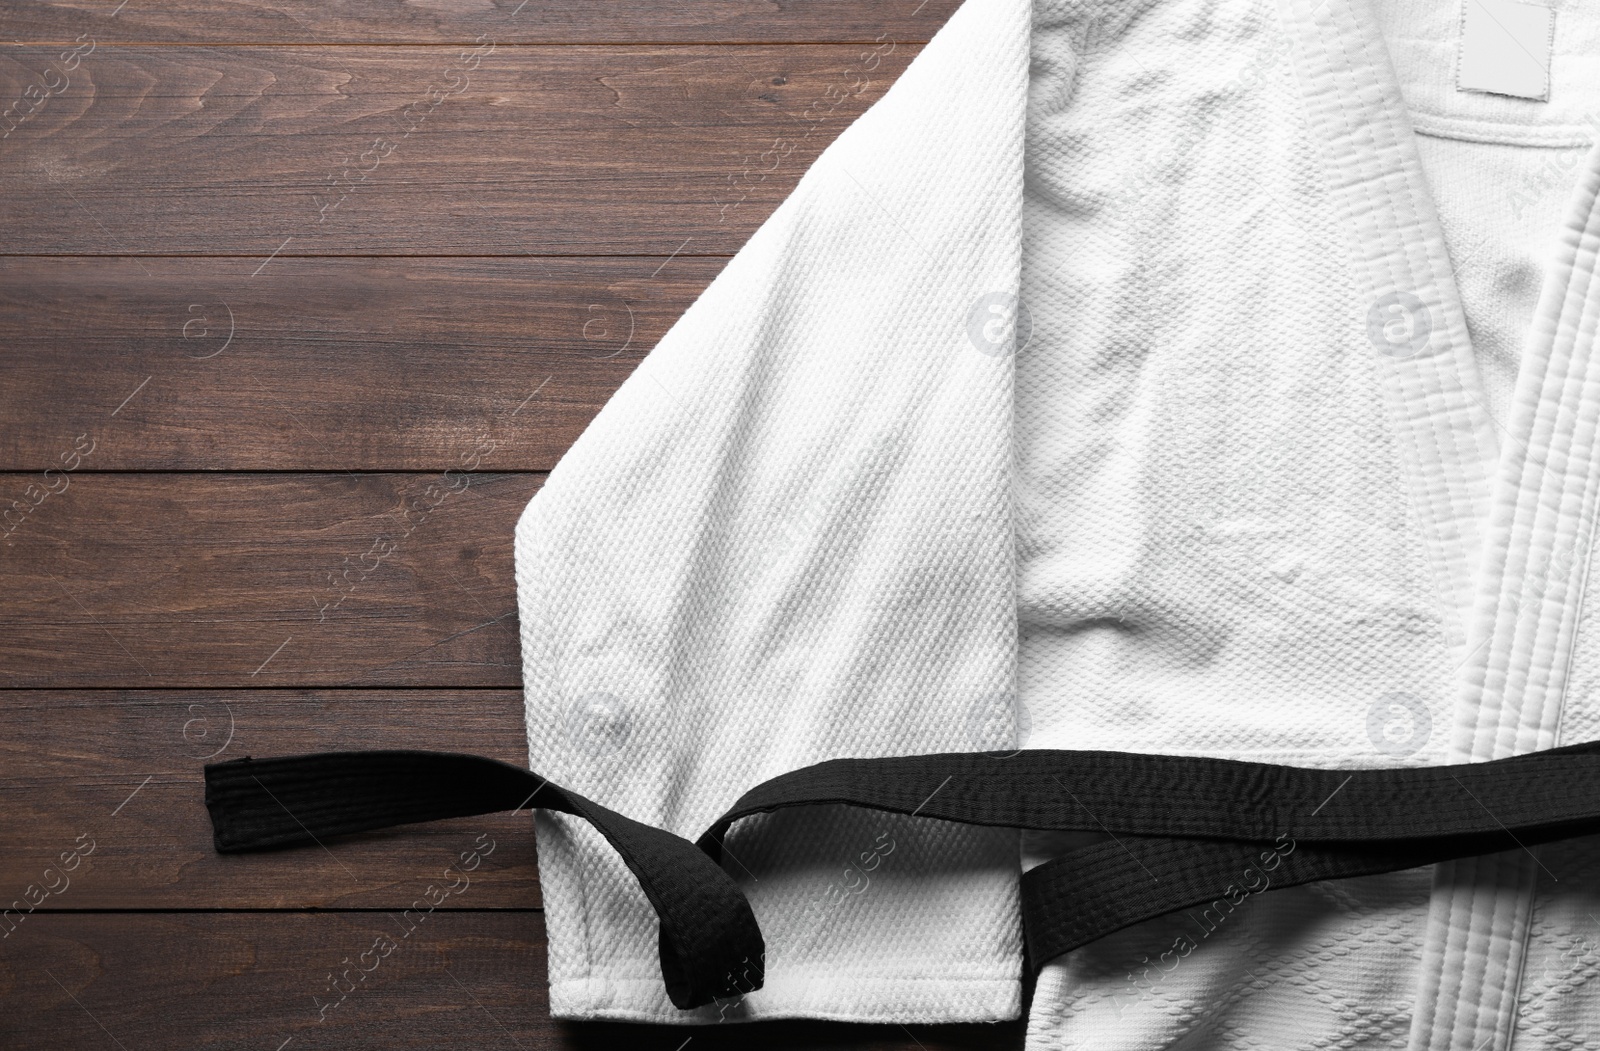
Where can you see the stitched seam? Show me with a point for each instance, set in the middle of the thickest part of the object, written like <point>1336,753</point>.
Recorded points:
<point>1587,504</point>
<point>1504,1013</point>
<point>1403,380</point>
<point>1416,439</point>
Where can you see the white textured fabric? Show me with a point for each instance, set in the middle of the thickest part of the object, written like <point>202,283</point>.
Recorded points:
<point>788,538</point>
<point>1293,458</point>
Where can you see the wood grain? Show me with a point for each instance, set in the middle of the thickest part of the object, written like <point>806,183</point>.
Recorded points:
<point>124,768</point>
<point>419,150</point>
<point>158,580</point>
<point>231,981</point>
<point>298,301</point>
<point>443,21</point>
<point>328,364</point>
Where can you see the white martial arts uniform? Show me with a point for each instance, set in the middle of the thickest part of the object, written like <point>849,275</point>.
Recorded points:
<point>1289,453</point>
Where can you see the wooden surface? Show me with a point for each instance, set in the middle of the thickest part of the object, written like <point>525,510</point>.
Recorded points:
<point>298,302</point>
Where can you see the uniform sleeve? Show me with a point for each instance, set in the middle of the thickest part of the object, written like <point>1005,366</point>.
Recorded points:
<point>788,538</point>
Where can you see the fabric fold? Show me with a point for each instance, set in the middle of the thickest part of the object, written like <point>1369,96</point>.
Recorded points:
<point>1524,636</point>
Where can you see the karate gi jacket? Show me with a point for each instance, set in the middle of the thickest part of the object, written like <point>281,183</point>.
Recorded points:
<point>1205,377</point>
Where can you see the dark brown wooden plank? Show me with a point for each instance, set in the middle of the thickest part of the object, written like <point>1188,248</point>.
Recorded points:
<point>161,580</point>
<point>511,21</point>
<point>119,775</point>
<point>232,982</point>
<point>349,363</point>
<point>383,150</point>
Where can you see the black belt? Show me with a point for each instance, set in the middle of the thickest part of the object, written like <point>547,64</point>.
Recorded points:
<point>1182,829</point>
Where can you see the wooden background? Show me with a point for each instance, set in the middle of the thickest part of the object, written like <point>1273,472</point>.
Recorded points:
<point>268,268</point>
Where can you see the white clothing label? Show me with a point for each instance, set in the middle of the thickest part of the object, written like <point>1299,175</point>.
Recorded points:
<point>1505,48</point>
